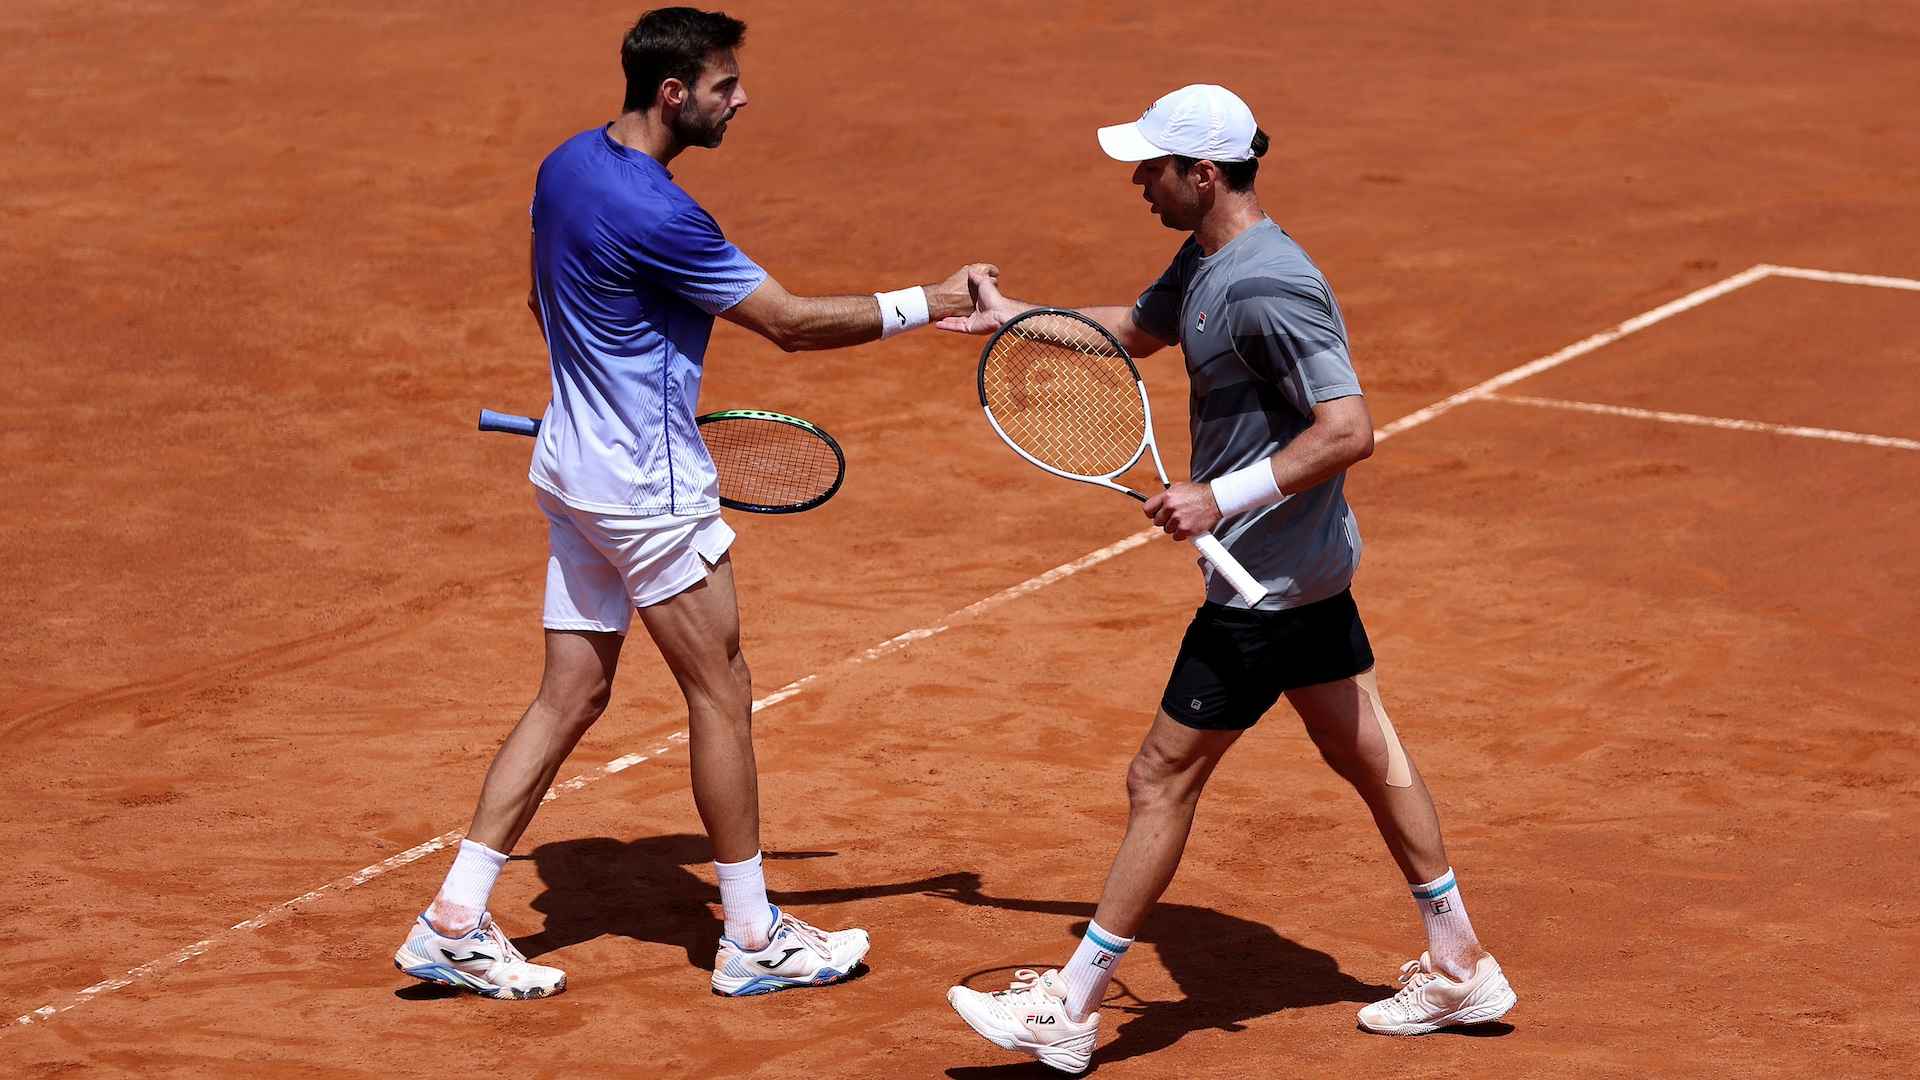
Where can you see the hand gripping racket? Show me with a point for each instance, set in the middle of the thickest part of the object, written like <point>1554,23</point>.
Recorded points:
<point>769,463</point>
<point>1060,390</point>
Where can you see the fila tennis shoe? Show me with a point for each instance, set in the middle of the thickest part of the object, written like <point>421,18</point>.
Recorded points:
<point>797,954</point>
<point>1429,1001</point>
<point>483,961</point>
<point>1030,1017</point>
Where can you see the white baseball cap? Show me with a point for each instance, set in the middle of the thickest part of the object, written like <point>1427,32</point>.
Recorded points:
<point>1198,121</point>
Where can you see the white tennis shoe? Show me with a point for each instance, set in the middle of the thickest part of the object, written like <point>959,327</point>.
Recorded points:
<point>1429,1001</point>
<point>482,960</point>
<point>1030,1017</point>
<point>797,954</point>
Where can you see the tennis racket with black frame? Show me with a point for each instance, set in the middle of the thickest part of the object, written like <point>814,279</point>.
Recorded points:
<point>769,462</point>
<point>1063,393</point>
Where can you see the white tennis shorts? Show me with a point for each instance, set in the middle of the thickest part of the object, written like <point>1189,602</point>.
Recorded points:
<point>601,567</point>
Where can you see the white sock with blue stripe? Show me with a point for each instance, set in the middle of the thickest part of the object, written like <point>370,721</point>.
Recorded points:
<point>1450,940</point>
<point>1090,969</point>
<point>743,902</point>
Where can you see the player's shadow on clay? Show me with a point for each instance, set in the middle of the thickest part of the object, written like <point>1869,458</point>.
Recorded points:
<point>1229,970</point>
<point>644,889</point>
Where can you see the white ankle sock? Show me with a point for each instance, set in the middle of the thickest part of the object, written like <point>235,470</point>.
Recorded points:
<point>743,901</point>
<point>1450,938</point>
<point>463,896</point>
<point>1090,969</point>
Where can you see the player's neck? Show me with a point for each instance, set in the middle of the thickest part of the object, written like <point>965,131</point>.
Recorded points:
<point>647,133</point>
<point>1231,215</point>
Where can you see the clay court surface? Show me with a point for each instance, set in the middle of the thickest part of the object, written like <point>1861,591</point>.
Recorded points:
<point>275,602</point>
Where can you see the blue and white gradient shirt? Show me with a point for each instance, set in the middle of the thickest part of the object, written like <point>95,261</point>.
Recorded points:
<point>629,272</point>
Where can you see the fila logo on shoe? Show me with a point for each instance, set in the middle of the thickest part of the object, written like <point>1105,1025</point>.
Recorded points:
<point>1037,1018</point>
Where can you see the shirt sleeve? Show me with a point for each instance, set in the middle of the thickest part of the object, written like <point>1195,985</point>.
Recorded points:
<point>1290,333</point>
<point>687,256</point>
<point>1158,309</point>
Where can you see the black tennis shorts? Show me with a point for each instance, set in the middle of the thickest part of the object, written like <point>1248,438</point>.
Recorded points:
<point>1235,663</point>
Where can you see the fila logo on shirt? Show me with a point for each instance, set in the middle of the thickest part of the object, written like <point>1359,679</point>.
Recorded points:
<point>1200,324</point>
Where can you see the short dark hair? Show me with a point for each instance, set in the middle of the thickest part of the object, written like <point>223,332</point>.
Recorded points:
<point>673,43</point>
<point>1238,174</point>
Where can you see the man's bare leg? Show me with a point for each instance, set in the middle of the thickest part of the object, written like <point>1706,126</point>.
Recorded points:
<point>1163,790</point>
<point>698,632</point>
<point>574,689</point>
<point>1348,723</point>
<point>1055,1016</point>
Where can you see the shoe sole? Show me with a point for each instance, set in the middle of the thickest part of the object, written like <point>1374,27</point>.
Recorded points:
<point>773,984</point>
<point>1051,1056</point>
<point>1484,1013</point>
<point>442,975</point>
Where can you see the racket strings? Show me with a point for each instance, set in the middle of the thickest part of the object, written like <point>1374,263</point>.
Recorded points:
<point>770,463</point>
<point>1065,397</point>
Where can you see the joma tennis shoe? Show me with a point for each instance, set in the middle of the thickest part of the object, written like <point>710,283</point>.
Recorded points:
<point>482,961</point>
<point>797,954</point>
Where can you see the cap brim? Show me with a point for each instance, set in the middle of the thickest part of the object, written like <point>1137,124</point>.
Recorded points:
<point>1123,142</point>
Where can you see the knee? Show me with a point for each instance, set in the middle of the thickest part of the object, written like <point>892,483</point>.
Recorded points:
<point>577,706</point>
<point>1153,781</point>
<point>1344,754</point>
<point>726,692</point>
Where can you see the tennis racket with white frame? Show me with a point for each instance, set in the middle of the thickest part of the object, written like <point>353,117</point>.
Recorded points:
<point>1063,393</point>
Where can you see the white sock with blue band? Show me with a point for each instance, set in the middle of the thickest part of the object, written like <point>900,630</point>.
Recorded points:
<point>743,901</point>
<point>1450,938</point>
<point>1091,968</point>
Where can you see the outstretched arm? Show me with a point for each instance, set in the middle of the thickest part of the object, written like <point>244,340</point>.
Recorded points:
<point>830,322</point>
<point>992,310</point>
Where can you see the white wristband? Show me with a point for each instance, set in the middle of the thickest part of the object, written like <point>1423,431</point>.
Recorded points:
<point>1246,489</point>
<point>902,310</point>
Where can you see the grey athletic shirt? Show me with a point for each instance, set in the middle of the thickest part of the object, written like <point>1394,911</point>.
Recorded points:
<point>1264,342</point>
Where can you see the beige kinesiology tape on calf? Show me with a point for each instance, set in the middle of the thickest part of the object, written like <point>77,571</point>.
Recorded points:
<point>1398,775</point>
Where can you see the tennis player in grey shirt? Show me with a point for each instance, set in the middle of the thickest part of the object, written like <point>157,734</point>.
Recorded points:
<point>1277,417</point>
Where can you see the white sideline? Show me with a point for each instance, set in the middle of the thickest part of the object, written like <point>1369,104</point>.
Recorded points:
<point>900,641</point>
<point>1889,441</point>
<point>1579,348</point>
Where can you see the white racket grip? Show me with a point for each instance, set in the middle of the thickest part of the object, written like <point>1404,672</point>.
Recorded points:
<point>1243,583</point>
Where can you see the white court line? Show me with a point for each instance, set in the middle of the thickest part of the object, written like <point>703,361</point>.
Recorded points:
<point>1876,280</point>
<point>1579,348</point>
<point>900,641</point>
<point>1889,441</point>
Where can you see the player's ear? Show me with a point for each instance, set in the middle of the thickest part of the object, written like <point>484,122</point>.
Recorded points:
<point>673,92</point>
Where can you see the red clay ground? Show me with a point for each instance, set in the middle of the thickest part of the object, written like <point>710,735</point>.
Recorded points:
<point>276,603</point>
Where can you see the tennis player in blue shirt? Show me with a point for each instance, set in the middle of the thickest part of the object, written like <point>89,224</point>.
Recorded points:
<point>628,275</point>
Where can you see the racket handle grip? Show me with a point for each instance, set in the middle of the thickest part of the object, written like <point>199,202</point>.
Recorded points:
<point>508,422</point>
<point>1243,583</point>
